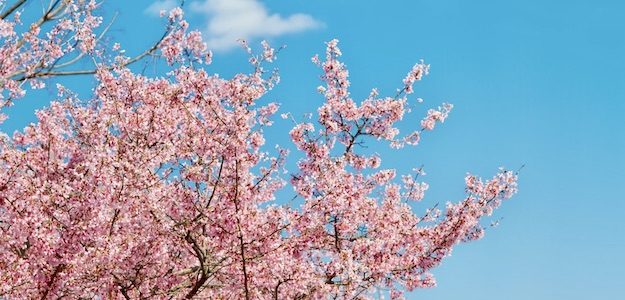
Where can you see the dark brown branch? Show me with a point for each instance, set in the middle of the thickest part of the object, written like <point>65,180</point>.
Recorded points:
<point>122,288</point>
<point>245,279</point>
<point>56,272</point>
<point>124,292</point>
<point>210,199</point>
<point>203,270</point>
<point>276,289</point>
<point>337,242</point>
<point>352,140</point>
<point>115,215</point>
<point>196,287</point>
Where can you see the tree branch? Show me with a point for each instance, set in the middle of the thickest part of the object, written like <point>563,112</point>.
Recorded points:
<point>11,9</point>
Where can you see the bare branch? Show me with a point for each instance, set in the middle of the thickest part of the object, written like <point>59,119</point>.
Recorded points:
<point>11,9</point>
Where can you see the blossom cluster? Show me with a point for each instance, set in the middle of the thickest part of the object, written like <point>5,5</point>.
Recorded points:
<point>161,187</point>
<point>29,54</point>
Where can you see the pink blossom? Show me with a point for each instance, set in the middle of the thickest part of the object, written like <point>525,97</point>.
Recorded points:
<point>418,71</point>
<point>268,52</point>
<point>164,188</point>
<point>436,115</point>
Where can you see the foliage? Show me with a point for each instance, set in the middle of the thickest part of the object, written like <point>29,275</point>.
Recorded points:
<point>160,187</point>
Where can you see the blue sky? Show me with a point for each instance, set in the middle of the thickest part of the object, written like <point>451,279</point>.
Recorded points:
<point>540,83</point>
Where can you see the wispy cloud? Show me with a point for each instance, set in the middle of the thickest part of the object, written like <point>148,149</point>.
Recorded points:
<point>157,6</point>
<point>230,20</point>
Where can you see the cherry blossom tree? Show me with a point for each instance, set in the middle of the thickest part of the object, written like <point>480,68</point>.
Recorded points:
<point>162,187</point>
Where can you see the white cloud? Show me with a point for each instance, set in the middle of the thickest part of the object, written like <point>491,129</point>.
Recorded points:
<point>230,20</point>
<point>156,7</point>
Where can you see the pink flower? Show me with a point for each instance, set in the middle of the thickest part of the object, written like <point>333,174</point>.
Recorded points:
<point>165,186</point>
